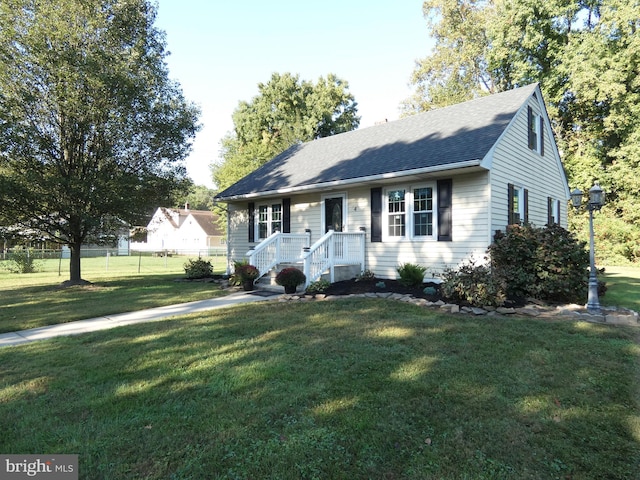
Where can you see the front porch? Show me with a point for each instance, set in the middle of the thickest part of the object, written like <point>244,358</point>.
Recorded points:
<point>333,253</point>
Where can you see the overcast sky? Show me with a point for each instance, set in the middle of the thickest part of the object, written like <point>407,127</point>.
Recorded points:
<point>221,50</point>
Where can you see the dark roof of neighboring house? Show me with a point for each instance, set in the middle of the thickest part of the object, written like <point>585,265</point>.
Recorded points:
<point>205,218</point>
<point>445,138</point>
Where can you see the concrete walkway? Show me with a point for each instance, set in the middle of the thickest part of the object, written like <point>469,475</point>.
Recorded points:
<point>120,319</point>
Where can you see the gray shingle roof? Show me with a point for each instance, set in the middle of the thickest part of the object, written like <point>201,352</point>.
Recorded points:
<point>442,138</point>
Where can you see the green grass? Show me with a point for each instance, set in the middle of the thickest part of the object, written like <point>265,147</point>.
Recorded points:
<point>97,268</point>
<point>623,287</point>
<point>35,300</point>
<point>350,389</point>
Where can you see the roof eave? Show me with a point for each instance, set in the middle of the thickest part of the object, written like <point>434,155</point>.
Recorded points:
<point>352,181</point>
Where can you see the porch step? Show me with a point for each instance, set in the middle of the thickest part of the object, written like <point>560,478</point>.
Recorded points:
<point>268,282</point>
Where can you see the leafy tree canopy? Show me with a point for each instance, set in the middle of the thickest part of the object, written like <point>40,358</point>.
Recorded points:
<point>92,130</point>
<point>199,197</point>
<point>287,111</point>
<point>586,57</point>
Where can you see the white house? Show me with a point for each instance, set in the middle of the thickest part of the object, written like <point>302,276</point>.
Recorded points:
<point>182,231</point>
<point>430,189</point>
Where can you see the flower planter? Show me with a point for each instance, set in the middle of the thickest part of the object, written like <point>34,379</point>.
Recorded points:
<point>290,278</point>
<point>247,285</point>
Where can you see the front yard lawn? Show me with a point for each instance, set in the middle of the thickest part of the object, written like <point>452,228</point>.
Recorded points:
<point>46,303</point>
<point>346,389</point>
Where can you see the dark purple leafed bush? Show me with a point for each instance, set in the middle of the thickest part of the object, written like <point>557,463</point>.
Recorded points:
<point>547,263</point>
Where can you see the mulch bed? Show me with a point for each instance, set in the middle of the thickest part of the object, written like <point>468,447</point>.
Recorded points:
<point>375,285</point>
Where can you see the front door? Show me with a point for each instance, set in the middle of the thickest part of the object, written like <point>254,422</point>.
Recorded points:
<point>333,214</point>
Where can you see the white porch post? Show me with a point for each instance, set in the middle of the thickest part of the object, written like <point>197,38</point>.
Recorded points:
<point>332,276</point>
<point>363,237</point>
<point>278,243</point>
<point>306,268</point>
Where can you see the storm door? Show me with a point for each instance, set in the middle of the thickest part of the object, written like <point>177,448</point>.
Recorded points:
<point>333,214</point>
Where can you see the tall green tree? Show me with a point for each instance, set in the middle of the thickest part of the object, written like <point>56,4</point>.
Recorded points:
<point>456,70</point>
<point>286,111</point>
<point>586,56</point>
<point>92,130</point>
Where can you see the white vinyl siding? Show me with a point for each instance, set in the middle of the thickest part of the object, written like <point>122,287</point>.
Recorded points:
<point>514,163</point>
<point>469,227</point>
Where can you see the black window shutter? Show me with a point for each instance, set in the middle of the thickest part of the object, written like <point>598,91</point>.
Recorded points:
<point>526,206</point>
<point>541,135</point>
<point>530,127</point>
<point>550,218</point>
<point>252,222</point>
<point>510,217</point>
<point>445,196</point>
<point>376,214</point>
<point>558,210</point>
<point>286,215</point>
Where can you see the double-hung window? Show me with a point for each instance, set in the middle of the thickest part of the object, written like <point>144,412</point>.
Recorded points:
<point>518,204</point>
<point>409,212</point>
<point>269,219</point>
<point>553,211</point>
<point>397,217</point>
<point>422,212</point>
<point>518,208</point>
<point>535,128</point>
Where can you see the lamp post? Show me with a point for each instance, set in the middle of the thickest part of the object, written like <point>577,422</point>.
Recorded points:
<point>596,200</point>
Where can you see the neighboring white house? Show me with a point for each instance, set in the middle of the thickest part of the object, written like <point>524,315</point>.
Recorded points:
<point>180,230</point>
<point>431,189</point>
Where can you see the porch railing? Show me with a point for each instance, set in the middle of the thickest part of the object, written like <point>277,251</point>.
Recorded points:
<point>278,248</point>
<point>333,248</point>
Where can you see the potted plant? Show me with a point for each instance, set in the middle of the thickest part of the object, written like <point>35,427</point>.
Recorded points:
<point>290,278</point>
<point>246,275</point>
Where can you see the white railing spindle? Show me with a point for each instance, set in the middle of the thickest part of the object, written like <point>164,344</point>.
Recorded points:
<point>278,248</point>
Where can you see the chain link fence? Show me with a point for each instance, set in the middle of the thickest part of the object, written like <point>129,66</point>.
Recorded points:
<point>114,261</point>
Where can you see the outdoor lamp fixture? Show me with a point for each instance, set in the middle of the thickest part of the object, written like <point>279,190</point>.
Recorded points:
<point>596,200</point>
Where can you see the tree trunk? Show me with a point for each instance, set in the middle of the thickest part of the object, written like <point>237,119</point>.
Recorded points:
<point>74,267</point>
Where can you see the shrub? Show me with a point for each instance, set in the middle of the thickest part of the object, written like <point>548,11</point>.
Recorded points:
<point>247,273</point>
<point>365,275</point>
<point>290,277</point>
<point>411,275</point>
<point>562,268</point>
<point>318,286</point>
<point>235,279</point>
<point>21,261</point>
<point>472,284</point>
<point>514,257</point>
<point>198,268</point>
<point>547,263</point>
